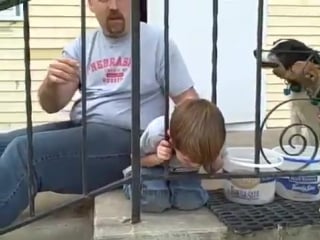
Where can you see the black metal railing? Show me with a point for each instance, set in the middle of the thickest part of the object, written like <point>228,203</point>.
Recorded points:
<point>135,179</point>
<point>135,143</point>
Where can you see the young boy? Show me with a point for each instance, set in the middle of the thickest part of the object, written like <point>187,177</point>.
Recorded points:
<point>196,138</point>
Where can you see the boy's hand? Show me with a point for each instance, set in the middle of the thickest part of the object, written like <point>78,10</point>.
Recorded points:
<point>164,151</point>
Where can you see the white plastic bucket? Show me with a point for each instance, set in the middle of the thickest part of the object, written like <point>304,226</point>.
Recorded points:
<point>254,191</point>
<point>299,188</point>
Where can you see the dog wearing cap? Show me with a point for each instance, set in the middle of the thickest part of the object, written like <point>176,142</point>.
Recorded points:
<point>299,67</point>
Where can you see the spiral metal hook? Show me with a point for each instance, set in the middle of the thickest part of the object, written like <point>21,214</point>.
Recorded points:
<point>293,136</point>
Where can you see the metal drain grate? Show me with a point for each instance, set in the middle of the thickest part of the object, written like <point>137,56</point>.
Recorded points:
<point>243,219</point>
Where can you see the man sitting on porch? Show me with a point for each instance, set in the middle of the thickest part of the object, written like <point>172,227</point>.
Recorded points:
<point>57,146</point>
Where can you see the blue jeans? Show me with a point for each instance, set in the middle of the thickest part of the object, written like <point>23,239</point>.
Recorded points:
<point>159,195</point>
<point>57,162</point>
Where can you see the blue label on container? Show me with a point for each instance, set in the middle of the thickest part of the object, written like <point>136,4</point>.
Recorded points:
<point>301,184</point>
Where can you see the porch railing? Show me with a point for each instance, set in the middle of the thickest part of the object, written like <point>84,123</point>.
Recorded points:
<point>136,174</point>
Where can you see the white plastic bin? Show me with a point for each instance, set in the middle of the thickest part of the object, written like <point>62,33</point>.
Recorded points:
<point>254,191</point>
<point>299,188</point>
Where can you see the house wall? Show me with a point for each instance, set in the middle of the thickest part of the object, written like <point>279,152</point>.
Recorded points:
<point>53,24</point>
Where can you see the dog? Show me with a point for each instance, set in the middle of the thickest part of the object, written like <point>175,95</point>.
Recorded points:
<point>299,66</point>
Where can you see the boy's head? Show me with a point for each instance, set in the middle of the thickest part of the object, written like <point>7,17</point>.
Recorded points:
<point>197,133</point>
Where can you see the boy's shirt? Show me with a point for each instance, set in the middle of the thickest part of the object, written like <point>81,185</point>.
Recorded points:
<point>149,142</point>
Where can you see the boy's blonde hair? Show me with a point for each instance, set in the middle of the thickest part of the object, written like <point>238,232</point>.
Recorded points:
<point>197,130</point>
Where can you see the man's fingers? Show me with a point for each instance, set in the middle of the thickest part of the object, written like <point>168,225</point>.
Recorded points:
<point>69,61</point>
<point>62,75</point>
<point>72,70</point>
<point>55,79</point>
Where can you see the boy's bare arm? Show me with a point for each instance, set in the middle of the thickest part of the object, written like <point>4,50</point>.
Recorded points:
<point>150,161</point>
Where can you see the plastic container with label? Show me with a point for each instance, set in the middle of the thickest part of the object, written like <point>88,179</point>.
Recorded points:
<point>299,188</point>
<point>255,191</point>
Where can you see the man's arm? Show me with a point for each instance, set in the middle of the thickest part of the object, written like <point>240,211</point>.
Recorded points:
<point>181,85</point>
<point>55,96</point>
<point>190,93</point>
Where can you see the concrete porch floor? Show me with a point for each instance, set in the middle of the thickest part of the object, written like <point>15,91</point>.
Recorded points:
<point>73,223</point>
<point>77,222</point>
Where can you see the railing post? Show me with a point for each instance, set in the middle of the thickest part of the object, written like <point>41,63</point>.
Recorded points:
<point>84,153</point>
<point>166,75</point>
<point>258,83</point>
<point>31,172</point>
<point>214,58</point>
<point>135,135</point>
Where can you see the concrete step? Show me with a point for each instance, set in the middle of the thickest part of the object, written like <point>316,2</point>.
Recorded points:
<point>73,223</point>
<point>112,222</point>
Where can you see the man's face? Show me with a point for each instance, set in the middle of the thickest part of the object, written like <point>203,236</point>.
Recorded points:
<point>112,15</point>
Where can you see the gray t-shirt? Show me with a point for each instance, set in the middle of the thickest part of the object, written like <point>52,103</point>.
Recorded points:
<point>109,76</point>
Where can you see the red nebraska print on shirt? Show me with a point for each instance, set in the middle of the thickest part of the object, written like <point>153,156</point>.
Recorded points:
<point>114,68</point>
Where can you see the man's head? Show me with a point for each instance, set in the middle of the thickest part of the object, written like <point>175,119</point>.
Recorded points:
<point>197,133</point>
<point>112,15</point>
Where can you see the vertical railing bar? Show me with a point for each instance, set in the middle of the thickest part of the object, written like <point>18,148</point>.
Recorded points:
<point>31,173</point>
<point>166,74</point>
<point>135,115</point>
<point>214,57</point>
<point>84,98</point>
<point>258,83</point>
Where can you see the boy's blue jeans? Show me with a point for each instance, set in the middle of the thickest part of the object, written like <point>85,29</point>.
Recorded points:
<point>159,195</point>
<point>57,162</point>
